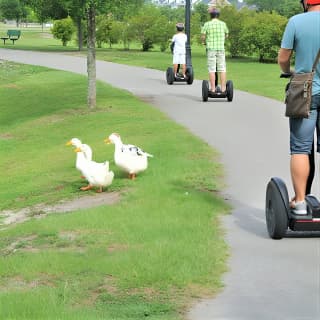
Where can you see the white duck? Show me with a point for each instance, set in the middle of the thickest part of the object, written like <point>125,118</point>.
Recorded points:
<point>128,157</point>
<point>97,174</point>
<point>75,142</point>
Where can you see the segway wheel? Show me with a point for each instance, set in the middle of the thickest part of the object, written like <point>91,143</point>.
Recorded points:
<point>170,75</point>
<point>229,86</point>
<point>205,90</point>
<point>189,75</point>
<point>277,202</point>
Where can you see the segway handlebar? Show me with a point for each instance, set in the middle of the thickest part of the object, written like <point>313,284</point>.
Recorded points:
<point>285,74</point>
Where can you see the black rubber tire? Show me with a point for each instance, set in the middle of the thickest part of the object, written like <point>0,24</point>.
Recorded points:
<point>205,90</point>
<point>170,75</point>
<point>229,86</point>
<point>277,201</point>
<point>189,75</point>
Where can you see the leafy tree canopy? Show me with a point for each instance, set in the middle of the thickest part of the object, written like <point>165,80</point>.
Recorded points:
<point>283,7</point>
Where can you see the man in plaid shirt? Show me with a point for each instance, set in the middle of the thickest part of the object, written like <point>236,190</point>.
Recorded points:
<point>213,35</point>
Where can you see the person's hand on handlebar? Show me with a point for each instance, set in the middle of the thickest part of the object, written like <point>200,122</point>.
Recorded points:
<point>286,74</point>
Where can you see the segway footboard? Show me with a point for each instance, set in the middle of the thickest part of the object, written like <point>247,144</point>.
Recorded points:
<point>309,222</point>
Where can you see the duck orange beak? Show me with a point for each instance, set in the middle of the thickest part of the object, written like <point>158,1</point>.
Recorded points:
<point>77,150</point>
<point>69,143</point>
<point>107,140</point>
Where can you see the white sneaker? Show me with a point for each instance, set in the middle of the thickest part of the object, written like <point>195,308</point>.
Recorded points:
<point>299,208</point>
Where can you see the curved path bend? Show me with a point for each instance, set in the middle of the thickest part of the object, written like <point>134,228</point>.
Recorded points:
<point>267,279</point>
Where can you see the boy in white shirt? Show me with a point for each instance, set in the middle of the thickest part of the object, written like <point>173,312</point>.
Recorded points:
<point>178,48</point>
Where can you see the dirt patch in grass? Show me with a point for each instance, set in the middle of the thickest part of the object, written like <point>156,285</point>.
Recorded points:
<point>6,136</point>
<point>107,286</point>
<point>19,283</point>
<point>117,247</point>
<point>32,244</point>
<point>12,247</point>
<point>9,217</point>
<point>11,86</point>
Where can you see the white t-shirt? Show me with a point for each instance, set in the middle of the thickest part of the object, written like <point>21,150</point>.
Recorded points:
<point>180,40</point>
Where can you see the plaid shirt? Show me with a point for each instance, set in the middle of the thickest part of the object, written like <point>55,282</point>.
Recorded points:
<point>215,31</point>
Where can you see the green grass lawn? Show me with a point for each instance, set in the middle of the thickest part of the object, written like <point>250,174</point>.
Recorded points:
<point>34,38</point>
<point>149,255</point>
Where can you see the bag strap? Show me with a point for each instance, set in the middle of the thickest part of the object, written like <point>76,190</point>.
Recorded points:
<point>316,61</point>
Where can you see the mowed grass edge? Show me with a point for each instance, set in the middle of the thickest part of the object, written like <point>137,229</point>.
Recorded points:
<point>149,255</point>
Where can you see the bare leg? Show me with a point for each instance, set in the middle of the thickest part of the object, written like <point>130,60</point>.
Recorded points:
<point>184,70</point>
<point>299,166</point>
<point>175,69</point>
<point>223,79</point>
<point>212,77</point>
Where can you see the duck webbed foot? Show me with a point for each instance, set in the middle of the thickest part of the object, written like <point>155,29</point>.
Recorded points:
<point>132,176</point>
<point>88,187</point>
<point>99,190</point>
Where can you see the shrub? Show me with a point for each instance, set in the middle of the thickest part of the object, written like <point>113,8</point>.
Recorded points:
<point>63,30</point>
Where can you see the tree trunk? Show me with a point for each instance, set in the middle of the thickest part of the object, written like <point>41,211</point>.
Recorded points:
<point>261,57</point>
<point>80,33</point>
<point>91,57</point>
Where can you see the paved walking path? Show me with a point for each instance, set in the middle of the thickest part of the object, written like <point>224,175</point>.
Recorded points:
<point>268,280</point>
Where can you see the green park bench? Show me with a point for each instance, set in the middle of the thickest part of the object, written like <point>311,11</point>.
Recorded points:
<point>12,35</point>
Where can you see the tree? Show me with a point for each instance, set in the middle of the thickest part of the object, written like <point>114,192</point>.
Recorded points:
<point>126,33</point>
<point>262,34</point>
<point>289,8</point>
<point>235,21</point>
<point>63,30</point>
<point>173,15</point>
<point>264,5</point>
<point>195,28</point>
<point>162,32</point>
<point>107,30</point>
<point>201,9</point>
<point>46,9</point>
<point>76,9</point>
<point>12,10</point>
<point>91,55</point>
<point>122,9</point>
<point>283,7</point>
<point>87,9</point>
<point>144,25</point>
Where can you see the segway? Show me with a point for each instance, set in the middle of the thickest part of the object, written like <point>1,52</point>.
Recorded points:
<point>279,217</point>
<point>171,78</point>
<point>206,93</point>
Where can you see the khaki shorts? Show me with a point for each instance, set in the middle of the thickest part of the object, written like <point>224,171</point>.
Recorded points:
<point>216,61</point>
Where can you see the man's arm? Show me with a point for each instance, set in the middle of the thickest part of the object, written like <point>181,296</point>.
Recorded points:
<point>284,59</point>
<point>172,46</point>
<point>203,38</point>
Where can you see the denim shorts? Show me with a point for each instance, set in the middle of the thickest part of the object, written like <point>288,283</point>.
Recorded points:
<point>302,130</point>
